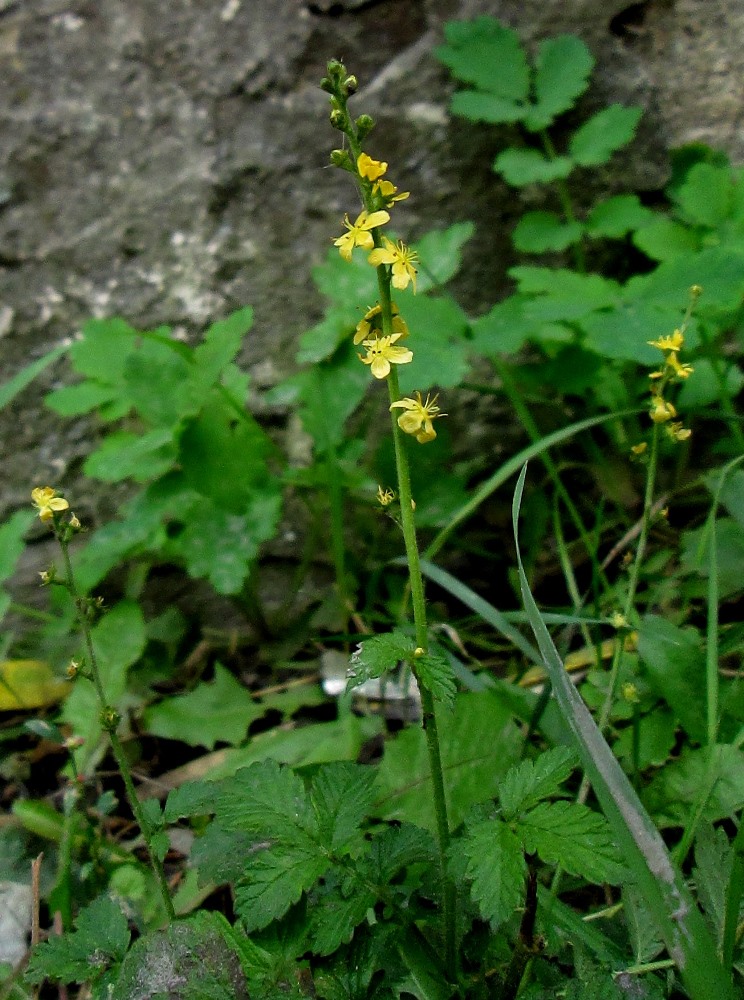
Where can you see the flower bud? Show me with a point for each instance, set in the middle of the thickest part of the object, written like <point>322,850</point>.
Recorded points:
<point>338,119</point>
<point>364,124</point>
<point>351,85</point>
<point>340,158</point>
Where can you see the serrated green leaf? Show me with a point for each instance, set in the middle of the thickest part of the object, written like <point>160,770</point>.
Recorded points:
<point>334,915</point>
<point>220,711</point>
<point>222,547</point>
<point>220,345</point>
<point>712,872</point>
<point>665,239</point>
<point>623,332</point>
<point>350,284</point>
<point>141,457</point>
<point>571,835</point>
<point>674,663</point>
<point>520,167</point>
<point>562,70</point>
<point>329,392</point>
<point>720,271</point>
<point>440,254</point>
<point>435,672</point>
<point>605,132</point>
<point>488,55</point>
<point>540,232</point>
<point>103,348</point>
<point>691,781</point>
<point>101,931</point>
<point>374,657</point>
<point>532,780</point>
<point>706,198</point>
<point>396,848</point>
<point>616,216</point>
<point>644,936</point>
<point>321,340</point>
<point>497,868</point>
<point>368,969</point>
<point>266,799</point>
<point>73,400</point>
<point>502,330</point>
<point>274,880</point>
<point>479,742</point>
<point>342,794</point>
<point>441,325</point>
<point>480,106</point>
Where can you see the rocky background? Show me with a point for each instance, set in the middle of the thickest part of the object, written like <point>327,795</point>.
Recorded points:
<point>166,160</point>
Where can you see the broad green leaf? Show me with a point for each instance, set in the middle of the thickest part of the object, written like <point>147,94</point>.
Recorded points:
<point>72,400</point>
<point>10,389</point>
<point>220,711</point>
<point>368,969</point>
<point>623,332</point>
<point>664,890</point>
<point>562,294</point>
<point>674,663</point>
<point>706,197</point>
<point>705,388</point>
<point>731,493</point>
<point>220,344</point>
<point>532,780</point>
<point>440,255</point>
<point>334,915</point>
<point>160,382</point>
<point>665,239</point>
<point>616,216</point>
<point>119,640</point>
<point>425,980</point>
<point>438,330</point>
<point>644,937</point>
<point>435,673</point>
<point>342,794</point>
<point>488,55</point>
<point>520,167</point>
<point>571,835</point>
<point>541,232</point>
<point>26,684</point>
<point>497,869</point>
<point>711,874</point>
<point>321,340</point>
<point>693,782</point>
<point>657,735</point>
<point>504,329</point>
<point>101,929</point>
<point>102,350</point>
<point>350,284</point>
<point>141,457</point>
<point>222,547</point>
<point>720,271</point>
<point>696,553</point>
<point>480,106</point>
<point>600,136</point>
<point>328,393</point>
<point>275,880</point>
<point>479,742</point>
<point>562,70</point>
<point>376,656</point>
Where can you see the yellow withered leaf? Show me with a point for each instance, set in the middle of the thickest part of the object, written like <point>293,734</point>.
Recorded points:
<point>29,684</point>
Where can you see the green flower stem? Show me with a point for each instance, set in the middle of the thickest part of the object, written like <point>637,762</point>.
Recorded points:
<point>116,745</point>
<point>566,204</point>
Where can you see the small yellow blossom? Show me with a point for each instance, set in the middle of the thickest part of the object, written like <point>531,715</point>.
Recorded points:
<point>371,324</point>
<point>671,343</point>
<point>419,651</point>
<point>661,410</point>
<point>618,620</point>
<point>630,693</point>
<point>73,669</point>
<point>680,370</point>
<point>677,432</point>
<point>75,522</point>
<point>417,418</point>
<point>370,169</point>
<point>381,353</point>
<point>359,234</point>
<point>385,496</point>
<point>638,449</point>
<point>387,192</point>
<point>402,259</point>
<point>48,502</point>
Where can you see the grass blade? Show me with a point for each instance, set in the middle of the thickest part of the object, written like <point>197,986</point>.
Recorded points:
<point>9,390</point>
<point>679,921</point>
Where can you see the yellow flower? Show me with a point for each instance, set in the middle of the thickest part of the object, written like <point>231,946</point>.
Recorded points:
<point>48,502</point>
<point>381,354</point>
<point>359,234</point>
<point>385,497</point>
<point>370,169</point>
<point>672,343</point>
<point>638,449</point>
<point>371,323</point>
<point>418,417</point>
<point>677,432</point>
<point>661,410</point>
<point>387,192</point>
<point>680,370</point>
<point>401,258</point>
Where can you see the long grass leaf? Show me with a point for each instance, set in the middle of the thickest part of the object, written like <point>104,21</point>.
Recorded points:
<point>10,389</point>
<point>679,921</point>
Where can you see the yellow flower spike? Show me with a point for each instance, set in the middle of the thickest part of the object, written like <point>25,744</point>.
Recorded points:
<point>677,432</point>
<point>359,234</point>
<point>48,502</point>
<point>661,410</point>
<point>381,354</point>
<point>401,258</point>
<point>371,324</point>
<point>370,169</point>
<point>417,418</point>
<point>671,343</point>
<point>387,192</point>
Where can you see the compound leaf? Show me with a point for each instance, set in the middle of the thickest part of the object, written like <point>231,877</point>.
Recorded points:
<point>562,69</point>
<point>530,781</point>
<point>573,836</point>
<point>497,868</point>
